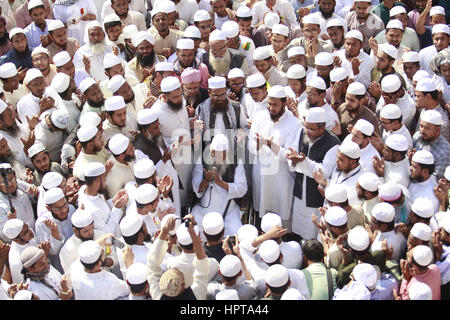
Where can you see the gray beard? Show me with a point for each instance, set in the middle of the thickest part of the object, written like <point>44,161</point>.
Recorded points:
<point>221,66</point>
<point>158,141</point>
<point>98,48</point>
<point>37,277</point>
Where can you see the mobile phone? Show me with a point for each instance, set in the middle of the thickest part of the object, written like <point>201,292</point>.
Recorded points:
<point>232,241</point>
<point>119,244</point>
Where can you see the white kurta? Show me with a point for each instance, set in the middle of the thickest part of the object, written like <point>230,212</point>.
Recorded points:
<point>16,145</point>
<point>15,264</point>
<point>365,68</point>
<point>406,105</point>
<point>15,96</point>
<point>28,105</point>
<point>396,240</point>
<point>323,21</point>
<point>53,278</point>
<point>425,190</point>
<point>348,181</point>
<point>83,159</point>
<point>403,131</point>
<point>71,108</point>
<point>102,285</point>
<point>397,172</point>
<point>97,71</point>
<point>118,176</point>
<point>283,7</point>
<point>250,108</point>
<point>425,56</point>
<point>52,140</point>
<point>366,157</point>
<point>140,256</point>
<point>109,129</point>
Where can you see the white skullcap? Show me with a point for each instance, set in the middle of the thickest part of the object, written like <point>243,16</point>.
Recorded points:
<point>420,74</point>
<point>280,29</point>
<point>358,238</point>
<point>277,276</point>
<point>192,32</point>
<point>141,36</point>
<point>183,236</point>
<point>165,66</point>
<point>269,251</point>
<point>295,51</point>
<point>292,294</point>
<point>53,195</point>
<point>90,117</point>
<point>15,31</point>
<point>34,3</point>
<point>115,103</point>
<point>445,222</point>
<point>168,6</point>
<point>255,80</point>
<point>396,10</point>
<point>61,82</point>
<point>146,116</point>
<point>296,71</point>
<point>323,59</point>
<point>169,84</point>
<point>35,149</point>
<point>217,35</point>
<point>146,194</point>
<point>261,53</point>
<point>391,83</point>
<point>317,82</point>
<point>244,12</point>
<point>86,84</point>
<point>231,29</point>
<point>236,73</point>
<point>423,157</point>
<point>38,50</point>
<point>411,56</point>
<point>350,149</point>
<point>23,295</point>
<point>437,10</point>
<point>390,191</point>
<point>115,83</point>
<point>420,291</point>
<point>383,212</point>
<point>158,9</point>
<point>277,92</point>
<point>247,233</point>
<point>32,74</point>
<point>129,31</point>
<point>336,216</point>
<point>86,132</point>
<point>94,169</point>
<point>137,273</point>
<point>271,19</point>
<point>177,223</point>
<point>391,112</point>
<point>426,85</point>
<point>111,60</point>
<point>336,195</point>
<point>81,218</point>
<point>336,23</point>
<point>59,118</point>
<point>228,294</point>
<point>389,49</point>
<point>55,24</point>
<point>397,142</point>
<point>118,144</point>
<point>185,44</point>
<point>421,231</point>
<point>423,255</point>
<point>89,251</point>
<point>311,19</point>
<point>51,179</point>
<point>8,70</point>
<point>432,116</point>
<point>423,207</point>
<point>229,266</point>
<point>111,18</point>
<point>12,228</point>
<point>144,168</point>
<point>270,220</point>
<point>356,88</point>
<point>219,143</point>
<point>368,181</point>
<point>212,223</point>
<point>201,15</point>
<point>366,274</point>
<point>217,83</point>
<point>394,24</point>
<point>338,74</point>
<point>316,115</point>
<point>355,290</point>
<point>447,173</point>
<point>365,127</point>
<point>354,34</point>
<point>130,225</point>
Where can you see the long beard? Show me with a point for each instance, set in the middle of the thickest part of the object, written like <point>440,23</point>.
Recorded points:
<point>220,65</point>
<point>175,106</point>
<point>145,61</point>
<point>220,106</point>
<point>158,141</point>
<point>13,130</point>
<point>130,100</point>
<point>37,276</point>
<point>98,48</point>
<point>96,104</point>
<point>221,168</point>
<point>326,15</point>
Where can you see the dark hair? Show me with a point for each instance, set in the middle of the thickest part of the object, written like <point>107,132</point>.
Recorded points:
<point>85,143</point>
<point>423,268</point>
<point>244,18</point>
<point>313,250</point>
<point>111,113</point>
<point>215,237</point>
<point>45,151</point>
<point>359,97</point>
<point>395,202</point>
<point>134,238</point>
<point>90,266</point>
<point>42,7</point>
<point>426,220</point>
<point>400,119</point>
<point>186,247</point>
<point>275,262</point>
<point>434,94</point>
<point>279,290</point>
<point>390,225</point>
<point>230,279</point>
<point>89,180</point>
<point>137,288</point>
<point>429,167</point>
<point>142,127</point>
<point>141,181</point>
<point>112,24</point>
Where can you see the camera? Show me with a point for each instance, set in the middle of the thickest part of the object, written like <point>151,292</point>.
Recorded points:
<point>187,221</point>
<point>232,241</point>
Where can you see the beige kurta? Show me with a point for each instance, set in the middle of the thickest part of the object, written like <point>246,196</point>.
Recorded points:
<point>168,42</point>
<point>118,176</point>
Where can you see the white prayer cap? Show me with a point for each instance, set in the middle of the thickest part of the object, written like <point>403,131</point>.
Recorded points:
<point>34,3</point>
<point>280,29</point>
<point>115,83</point>
<point>296,71</point>
<point>411,56</point>
<point>423,255</point>
<point>217,35</point>
<point>355,290</point>
<point>94,169</point>
<point>447,173</point>
<point>423,207</point>
<point>441,28</point>
<point>316,115</point>
<point>383,212</point>
<point>229,266</point>
<point>111,18</point>
<point>219,143</point>
<point>396,10</point>
<point>389,49</point>
<point>445,222</point>
<point>212,223</point>
<point>292,294</point>
<point>144,168</point>
<point>336,195</point>
<point>158,9</point>
<point>51,179</point>
<point>32,74</point>
<point>169,84</point>
<point>358,238</point>
<point>86,84</point>
<point>420,291</point>
<point>437,10</point>
<point>317,82</point>
<point>55,24</point>
<point>86,132</point>
<point>217,83</point>
<point>23,295</point>
<point>390,191</point>
<point>89,251</point>
<point>59,118</point>
<point>368,181</point>
<point>261,53</point>
<point>397,142</point>
<point>356,88</point>
<point>277,92</point>
<point>35,149</point>
<point>420,74</point>
<point>270,220</point>
<point>338,74</point>
<point>391,83</point>
<point>146,116</point>
<point>432,116</point>
<point>38,50</point>
<point>423,157</point>
<point>236,73</point>
<point>115,103</point>
<point>354,34</point>
<point>391,111</point>
<point>137,273</point>
<point>118,144</point>
<point>110,60</point>
<point>8,70</point>
<point>394,24</point>
<point>244,12</point>
<point>165,66</point>
<point>130,225</point>
<point>183,236</point>
<point>146,194</point>
<point>294,51</point>
<point>366,274</point>
<point>192,32</point>
<point>81,218</point>
<point>141,36</point>
<point>255,80</point>
<point>90,117</point>
<point>231,29</point>
<point>271,19</point>
<point>185,44</point>
<point>421,231</point>
<point>61,82</point>
<point>323,59</point>
<point>129,31</point>
<point>277,276</point>
<point>228,294</point>
<point>426,85</point>
<point>177,223</point>
<point>53,195</point>
<point>15,31</point>
<point>168,6</point>
<point>269,251</point>
<point>12,228</point>
<point>365,127</point>
<point>336,216</point>
<point>311,19</point>
<point>350,149</point>
<point>247,232</point>
<point>336,23</point>
<point>93,24</point>
<point>5,166</point>
<point>201,15</point>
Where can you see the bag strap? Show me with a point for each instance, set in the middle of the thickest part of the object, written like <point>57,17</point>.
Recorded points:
<point>226,209</point>
<point>330,284</point>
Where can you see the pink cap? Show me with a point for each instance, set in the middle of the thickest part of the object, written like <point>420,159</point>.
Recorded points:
<point>190,75</point>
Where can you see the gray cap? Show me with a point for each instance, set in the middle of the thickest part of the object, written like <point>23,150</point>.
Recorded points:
<point>30,256</point>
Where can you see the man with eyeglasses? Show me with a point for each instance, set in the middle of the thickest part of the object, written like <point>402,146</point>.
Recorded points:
<point>41,61</point>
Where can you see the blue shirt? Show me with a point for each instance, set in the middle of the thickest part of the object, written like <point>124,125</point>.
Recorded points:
<point>19,61</point>
<point>34,34</point>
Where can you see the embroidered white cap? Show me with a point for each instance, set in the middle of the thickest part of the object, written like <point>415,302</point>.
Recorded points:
<point>423,157</point>
<point>336,195</point>
<point>192,32</point>
<point>262,53</point>
<point>356,88</point>
<point>111,60</point>
<point>51,179</point>
<point>144,168</point>
<point>34,3</point>
<point>389,49</point>
<point>277,92</point>
<point>137,273</point>
<point>390,191</point>
<point>55,24</point>
<point>53,195</point>
<point>115,83</point>
<point>270,220</point>
<point>271,19</point>
<point>383,212</point>
<point>94,169</point>
<point>230,266</point>
<point>165,66</point>
<point>420,291</point>
<point>38,50</point>
<point>423,255</point>
<point>354,34</point>
<point>317,82</point>
<point>350,149</point>
<point>368,181</point>
<point>244,12</point>
<point>146,116</point>
<point>394,24</point>
<point>280,29</point>
<point>411,56</point>
<point>231,29</point>
<point>295,51</point>
<point>217,35</point>
<point>60,82</point>
<point>146,194</point>
<point>421,231</point>
<point>169,84</point>
<point>426,85</point>
<point>217,83</point>
<point>185,44</point>
<point>8,70</point>
<point>219,143</point>
<point>130,225</point>
<point>86,84</point>
<point>86,132</point>
<point>423,207</point>
<point>118,144</point>
<point>336,216</point>
<point>59,118</point>
<point>269,251</point>
<point>35,149</point>
<point>255,80</point>
<point>391,111</point>
<point>212,223</point>
<point>15,31</point>
<point>440,28</point>
<point>365,127</point>
<point>311,19</point>
<point>141,36</point>
<point>390,83</point>
<point>396,10</point>
<point>201,15</point>
<point>32,74</point>
<point>89,251</point>
<point>316,115</point>
<point>338,74</point>
<point>296,71</point>
<point>81,218</point>
<point>236,73</point>
<point>358,239</point>
<point>397,142</point>
<point>437,10</point>
<point>115,103</point>
<point>323,59</point>
<point>433,117</point>
<point>277,276</point>
<point>12,228</point>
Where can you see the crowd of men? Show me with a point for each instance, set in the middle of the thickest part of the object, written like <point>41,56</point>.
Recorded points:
<point>225,150</point>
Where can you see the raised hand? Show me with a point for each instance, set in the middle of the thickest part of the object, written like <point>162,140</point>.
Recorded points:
<point>121,198</point>
<point>336,129</point>
<point>46,246</point>
<point>378,165</point>
<point>87,64</point>
<point>295,157</point>
<point>53,228</point>
<point>387,250</point>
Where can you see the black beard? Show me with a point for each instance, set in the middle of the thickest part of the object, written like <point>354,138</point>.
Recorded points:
<point>37,276</point>
<point>85,239</point>
<point>10,158</point>
<point>147,238</point>
<point>13,129</point>
<point>96,104</point>
<point>24,53</point>
<point>145,61</point>
<point>219,106</point>
<point>122,15</point>
<point>326,15</point>
<point>175,106</point>
<point>4,39</point>
<point>128,158</point>
<point>130,100</point>
<point>277,116</point>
